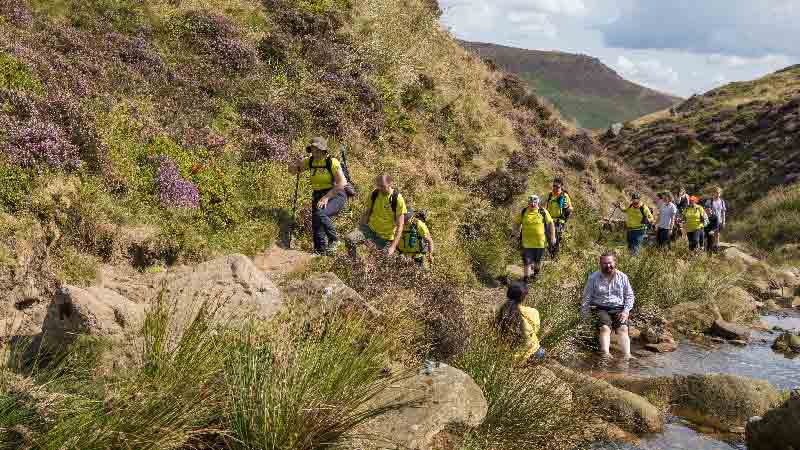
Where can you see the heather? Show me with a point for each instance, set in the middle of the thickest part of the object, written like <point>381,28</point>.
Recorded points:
<point>173,124</point>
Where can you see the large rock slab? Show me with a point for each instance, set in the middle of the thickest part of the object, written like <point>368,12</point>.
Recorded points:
<point>737,255</point>
<point>778,428</point>
<point>724,402</point>
<point>92,311</point>
<point>787,342</point>
<point>325,291</point>
<point>728,330</point>
<point>231,289</point>
<point>446,398</point>
<point>630,411</point>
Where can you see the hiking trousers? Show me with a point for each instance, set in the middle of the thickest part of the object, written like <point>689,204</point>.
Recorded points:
<point>695,239</point>
<point>662,238</point>
<point>635,238</point>
<point>559,231</point>
<point>322,226</point>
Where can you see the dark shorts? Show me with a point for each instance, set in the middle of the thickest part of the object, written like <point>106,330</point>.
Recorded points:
<point>610,318</point>
<point>532,256</point>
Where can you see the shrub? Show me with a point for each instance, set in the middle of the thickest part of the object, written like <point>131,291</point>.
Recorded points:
<point>173,190</point>
<point>771,222</point>
<point>311,394</point>
<point>528,406</point>
<point>40,145</point>
<point>15,75</point>
<point>15,186</point>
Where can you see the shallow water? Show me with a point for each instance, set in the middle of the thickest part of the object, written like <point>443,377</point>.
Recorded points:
<point>756,360</point>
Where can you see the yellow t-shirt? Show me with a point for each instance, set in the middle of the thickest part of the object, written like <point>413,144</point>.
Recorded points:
<point>695,217</point>
<point>553,206</point>
<point>533,227</point>
<point>422,232</point>
<point>531,324</point>
<point>321,179</point>
<point>634,217</point>
<point>381,221</point>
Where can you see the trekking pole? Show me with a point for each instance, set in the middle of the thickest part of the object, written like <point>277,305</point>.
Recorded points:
<point>294,211</point>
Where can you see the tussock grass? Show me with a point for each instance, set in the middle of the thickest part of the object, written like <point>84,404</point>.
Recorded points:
<point>772,222</point>
<point>528,407</point>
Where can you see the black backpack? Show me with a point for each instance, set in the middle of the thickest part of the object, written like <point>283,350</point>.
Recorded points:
<point>349,189</point>
<point>392,200</point>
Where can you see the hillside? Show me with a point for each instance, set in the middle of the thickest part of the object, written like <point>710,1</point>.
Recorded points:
<point>581,87</point>
<point>158,134</point>
<point>743,136</point>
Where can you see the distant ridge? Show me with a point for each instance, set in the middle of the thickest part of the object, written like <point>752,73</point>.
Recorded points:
<point>581,87</point>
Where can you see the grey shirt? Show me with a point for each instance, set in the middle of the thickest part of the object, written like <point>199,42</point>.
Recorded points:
<point>600,291</point>
<point>666,214</point>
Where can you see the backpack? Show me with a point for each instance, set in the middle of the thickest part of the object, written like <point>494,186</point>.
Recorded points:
<point>544,221</point>
<point>562,202</point>
<point>414,237</point>
<point>392,200</point>
<point>349,189</point>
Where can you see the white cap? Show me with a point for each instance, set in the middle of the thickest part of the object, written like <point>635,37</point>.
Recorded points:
<point>533,199</point>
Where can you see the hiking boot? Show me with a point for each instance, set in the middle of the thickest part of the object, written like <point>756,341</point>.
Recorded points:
<point>332,246</point>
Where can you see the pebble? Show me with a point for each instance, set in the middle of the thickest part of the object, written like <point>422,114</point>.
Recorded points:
<point>738,342</point>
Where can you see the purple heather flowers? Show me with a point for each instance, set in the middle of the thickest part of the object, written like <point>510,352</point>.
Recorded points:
<point>37,143</point>
<point>173,190</point>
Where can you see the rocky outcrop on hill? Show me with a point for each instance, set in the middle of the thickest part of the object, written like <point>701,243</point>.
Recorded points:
<point>743,136</point>
<point>777,429</point>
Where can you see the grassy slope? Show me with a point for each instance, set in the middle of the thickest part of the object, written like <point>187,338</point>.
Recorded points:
<point>742,136</point>
<point>582,88</point>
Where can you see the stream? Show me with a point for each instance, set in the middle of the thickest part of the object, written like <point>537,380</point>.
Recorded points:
<point>756,360</point>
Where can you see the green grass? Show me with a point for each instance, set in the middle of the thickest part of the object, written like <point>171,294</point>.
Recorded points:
<point>770,223</point>
<point>14,75</point>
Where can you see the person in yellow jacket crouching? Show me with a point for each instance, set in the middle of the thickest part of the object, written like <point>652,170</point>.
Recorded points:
<point>416,241</point>
<point>519,325</point>
<point>695,218</point>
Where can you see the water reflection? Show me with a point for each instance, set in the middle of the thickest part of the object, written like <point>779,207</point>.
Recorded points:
<point>677,435</point>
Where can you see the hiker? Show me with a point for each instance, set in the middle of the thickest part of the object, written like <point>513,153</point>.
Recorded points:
<point>694,216</point>
<point>638,219</point>
<point>712,229</point>
<point>328,198</point>
<point>667,212</point>
<point>382,222</point>
<point>519,324</point>
<point>609,293</point>
<point>559,205</point>
<point>719,207</point>
<point>683,200</point>
<point>416,240</point>
<point>533,227</point>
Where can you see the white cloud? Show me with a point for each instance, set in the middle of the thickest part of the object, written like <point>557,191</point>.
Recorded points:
<point>648,71</point>
<point>561,7</point>
<point>533,23</point>
<point>733,61</point>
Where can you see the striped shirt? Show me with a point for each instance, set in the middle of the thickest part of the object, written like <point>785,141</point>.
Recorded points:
<point>614,293</point>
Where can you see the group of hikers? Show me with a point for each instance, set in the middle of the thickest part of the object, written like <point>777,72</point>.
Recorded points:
<point>703,220</point>
<point>390,224</point>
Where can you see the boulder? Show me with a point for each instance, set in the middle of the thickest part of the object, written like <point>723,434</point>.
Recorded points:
<point>777,428</point>
<point>735,254</point>
<point>325,291</point>
<point>445,400</point>
<point>691,317</point>
<point>720,401</point>
<point>662,347</point>
<point>230,288</point>
<point>92,311</point>
<point>736,304</point>
<point>771,306</point>
<point>787,342</point>
<point>728,330</point>
<point>626,409</point>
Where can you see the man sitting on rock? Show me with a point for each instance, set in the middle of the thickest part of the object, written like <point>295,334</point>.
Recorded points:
<point>610,294</point>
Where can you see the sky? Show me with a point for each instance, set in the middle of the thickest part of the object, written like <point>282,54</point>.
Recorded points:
<point>681,47</point>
